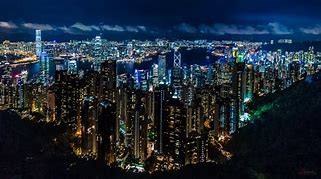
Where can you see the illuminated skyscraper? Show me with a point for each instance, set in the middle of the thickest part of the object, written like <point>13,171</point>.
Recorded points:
<point>108,80</point>
<point>140,128</point>
<point>38,43</point>
<point>175,131</point>
<point>154,74</point>
<point>89,125</point>
<point>141,80</point>
<point>68,99</point>
<point>239,88</point>
<point>159,107</point>
<point>130,49</point>
<point>97,53</point>
<point>177,58</point>
<point>44,68</point>
<point>72,67</point>
<point>177,74</point>
<point>162,68</point>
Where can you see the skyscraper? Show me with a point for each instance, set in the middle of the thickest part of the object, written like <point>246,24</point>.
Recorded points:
<point>177,75</point>
<point>108,80</point>
<point>162,68</point>
<point>89,125</point>
<point>159,106</point>
<point>154,75</point>
<point>239,88</point>
<point>175,131</point>
<point>38,43</point>
<point>107,131</point>
<point>72,67</point>
<point>97,53</point>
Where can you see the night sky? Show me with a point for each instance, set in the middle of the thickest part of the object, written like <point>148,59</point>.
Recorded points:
<point>161,18</point>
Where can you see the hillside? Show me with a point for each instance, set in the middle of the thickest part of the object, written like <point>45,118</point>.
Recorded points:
<point>284,141</point>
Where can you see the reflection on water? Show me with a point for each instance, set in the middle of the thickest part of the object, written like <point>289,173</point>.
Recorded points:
<point>195,56</point>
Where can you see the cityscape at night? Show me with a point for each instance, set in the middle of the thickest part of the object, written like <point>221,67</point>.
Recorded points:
<point>160,89</point>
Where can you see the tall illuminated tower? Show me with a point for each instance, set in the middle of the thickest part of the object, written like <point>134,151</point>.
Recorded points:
<point>175,131</point>
<point>154,74</point>
<point>177,58</point>
<point>38,43</point>
<point>162,68</point>
<point>97,53</point>
<point>72,67</point>
<point>44,68</point>
<point>89,125</point>
<point>177,75</point>
<point>108,80</point>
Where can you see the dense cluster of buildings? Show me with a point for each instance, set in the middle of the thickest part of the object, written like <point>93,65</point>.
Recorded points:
<point>171,113</point>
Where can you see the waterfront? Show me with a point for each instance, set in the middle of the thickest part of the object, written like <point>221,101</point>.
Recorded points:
<point>199,56</point>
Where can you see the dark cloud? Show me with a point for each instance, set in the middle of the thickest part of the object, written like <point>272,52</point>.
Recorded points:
<point>217,17</point>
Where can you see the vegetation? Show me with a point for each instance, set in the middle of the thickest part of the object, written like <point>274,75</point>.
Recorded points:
<point>284,141</point>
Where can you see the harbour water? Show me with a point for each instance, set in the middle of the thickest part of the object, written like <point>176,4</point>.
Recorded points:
<point>193,56</point>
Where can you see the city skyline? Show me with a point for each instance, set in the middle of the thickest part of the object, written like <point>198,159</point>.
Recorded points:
<point>165,89</point>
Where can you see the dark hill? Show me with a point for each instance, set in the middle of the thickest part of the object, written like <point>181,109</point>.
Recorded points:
<point>284,141</point>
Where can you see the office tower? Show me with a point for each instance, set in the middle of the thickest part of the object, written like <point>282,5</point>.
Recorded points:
<point>130,49</point>
<point>249,82</point>
<point>210,75</point>
<point>108,80</point>
<point>162,69</point>
<point>44,68</point>
<point>155,76</point>
<point>177,75</point>
<point>239,87</point>
<point>38,43</point>
<point>177,58</point>
<point>141,80</point>
<point>175,131</point>
<point>72,67</point>
<point>97,53</point>
<point>107,131</point>
<point>89,126</point>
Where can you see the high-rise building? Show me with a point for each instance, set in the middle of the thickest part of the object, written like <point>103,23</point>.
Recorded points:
<point>44,68</point>
<point>107,131</point>
<point>177,75</point>
<point>72,67</point>
<point>140,128</point>
<point>108,80</point>
<point>38,43</point>
<point>97,53</point>
<point>239,88</point>
<point>68,97</point>
<point>162,68</point>
<point>89,114</point>
<point>155,76</point>
<point>175,131</point>
<point>159,117</point>
<point>141,80</point>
